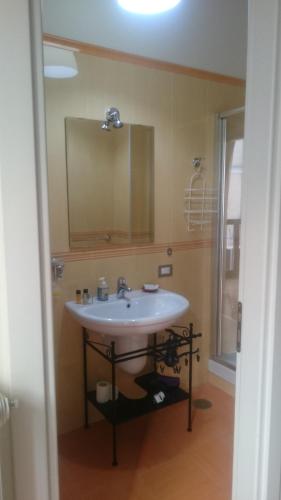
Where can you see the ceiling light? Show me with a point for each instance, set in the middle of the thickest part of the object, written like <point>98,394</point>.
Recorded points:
<point>148,6</point>
<point>59,62</point>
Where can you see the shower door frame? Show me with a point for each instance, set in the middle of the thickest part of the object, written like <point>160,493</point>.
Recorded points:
<point>220,239</point>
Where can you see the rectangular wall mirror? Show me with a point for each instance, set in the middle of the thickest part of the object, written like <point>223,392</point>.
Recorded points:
<point>110,183</point>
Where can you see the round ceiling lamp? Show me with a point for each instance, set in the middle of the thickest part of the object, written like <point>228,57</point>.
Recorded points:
<point>148,6</point>
<point>59,62</point>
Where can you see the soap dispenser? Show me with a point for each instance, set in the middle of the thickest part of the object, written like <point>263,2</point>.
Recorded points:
<point>102,290</point>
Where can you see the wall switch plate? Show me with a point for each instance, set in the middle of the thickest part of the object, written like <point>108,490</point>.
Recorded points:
<point>165,270</point>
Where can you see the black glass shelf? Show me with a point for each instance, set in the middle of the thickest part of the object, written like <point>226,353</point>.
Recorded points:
<point>126,409</point>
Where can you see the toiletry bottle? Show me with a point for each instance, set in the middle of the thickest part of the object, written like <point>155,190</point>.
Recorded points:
<point>102,290</point>
<point>86,296</point>
<point>78,297</point>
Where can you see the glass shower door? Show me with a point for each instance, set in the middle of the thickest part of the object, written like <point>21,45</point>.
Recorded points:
<point>232,141</point>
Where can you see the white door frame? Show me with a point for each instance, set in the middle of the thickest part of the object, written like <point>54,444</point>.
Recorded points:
<point>257,444</point>
<point>28,336</point>
<point>257,458</point>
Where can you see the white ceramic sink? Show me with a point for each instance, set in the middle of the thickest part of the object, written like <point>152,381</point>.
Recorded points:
<point>129,322</point>
<point>144,313</point>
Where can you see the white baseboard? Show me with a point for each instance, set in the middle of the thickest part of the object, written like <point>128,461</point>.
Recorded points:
<point>222,371</point>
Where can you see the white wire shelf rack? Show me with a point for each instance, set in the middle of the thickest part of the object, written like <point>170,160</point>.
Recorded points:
<point>200,201</point>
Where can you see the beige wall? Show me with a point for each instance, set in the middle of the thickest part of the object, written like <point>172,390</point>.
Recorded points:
<point>182,111</point>
<point>191,278</point>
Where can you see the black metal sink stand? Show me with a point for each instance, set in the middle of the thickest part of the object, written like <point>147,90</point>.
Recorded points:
<point>123,409</point>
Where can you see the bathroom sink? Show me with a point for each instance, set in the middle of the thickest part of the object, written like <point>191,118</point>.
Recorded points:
<point>128,321</point>
<point>137,314</point>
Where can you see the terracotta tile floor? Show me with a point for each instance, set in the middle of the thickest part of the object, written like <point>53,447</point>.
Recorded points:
<point>158,458</point>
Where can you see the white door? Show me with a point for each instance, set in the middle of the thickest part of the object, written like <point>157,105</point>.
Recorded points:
<point>28,453</point>
<point>6,478</point>
<point>257,448</point>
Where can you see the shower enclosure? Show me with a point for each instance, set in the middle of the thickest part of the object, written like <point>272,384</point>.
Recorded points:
<point>231,141</point>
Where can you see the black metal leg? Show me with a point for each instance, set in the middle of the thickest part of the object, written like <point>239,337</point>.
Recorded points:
<point>154,347</point>
<point>114,451</point>
<point>114,448</point>
<point>85,374</point>
<point>189,428</point>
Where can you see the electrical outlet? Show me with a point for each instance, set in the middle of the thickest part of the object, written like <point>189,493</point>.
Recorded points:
<point>165,270</point>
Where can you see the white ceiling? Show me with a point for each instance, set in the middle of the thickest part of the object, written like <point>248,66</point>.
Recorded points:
<point>204,34</point>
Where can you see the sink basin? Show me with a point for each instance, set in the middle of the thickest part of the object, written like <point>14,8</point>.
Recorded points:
<point>144,313</point>
<point>129,321</point>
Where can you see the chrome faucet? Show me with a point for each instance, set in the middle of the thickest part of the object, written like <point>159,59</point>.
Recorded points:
<point>122,288</point>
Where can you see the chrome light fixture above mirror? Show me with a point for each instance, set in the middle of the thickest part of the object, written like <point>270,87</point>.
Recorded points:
<point>112,117</point>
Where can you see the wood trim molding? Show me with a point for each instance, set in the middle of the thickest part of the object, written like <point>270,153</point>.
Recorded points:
<point>116,55</point>
<point>125,251</point>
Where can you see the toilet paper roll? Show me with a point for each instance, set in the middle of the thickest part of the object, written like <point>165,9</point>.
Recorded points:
<point>103,389</point>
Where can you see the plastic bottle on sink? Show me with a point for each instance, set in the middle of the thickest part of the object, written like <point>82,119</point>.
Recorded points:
<point>102,289</point>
